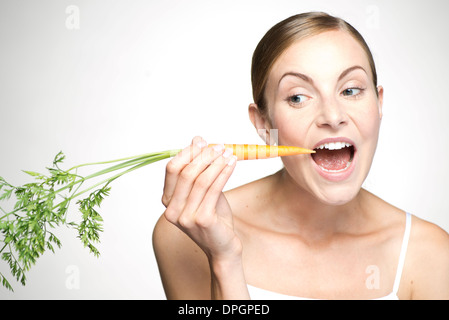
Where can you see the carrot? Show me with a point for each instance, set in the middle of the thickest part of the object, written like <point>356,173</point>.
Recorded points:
<point>254,151</point>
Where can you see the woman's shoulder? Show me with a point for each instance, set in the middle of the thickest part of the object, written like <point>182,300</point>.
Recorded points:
<point>249,200</point>
<point>430,234</point>
<point>426,268</point>
<point>249,194</point>
<point>428,260</point>
<point>429,241</point>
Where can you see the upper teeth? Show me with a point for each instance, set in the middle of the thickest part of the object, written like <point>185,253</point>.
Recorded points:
<point>334,145</point>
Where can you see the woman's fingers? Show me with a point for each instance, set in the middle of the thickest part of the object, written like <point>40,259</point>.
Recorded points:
<point>194,183</point>
<point>177,164</point>
<point>208,205</point>
<point>211,180</point>
<point>189,175</point>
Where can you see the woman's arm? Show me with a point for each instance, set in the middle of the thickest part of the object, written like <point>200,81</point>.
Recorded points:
<point>228,280</point>
<point>187,273</point>
<point>183,266</point>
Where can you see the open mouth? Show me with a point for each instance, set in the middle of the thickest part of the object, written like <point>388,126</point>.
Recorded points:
<point>334,157</point>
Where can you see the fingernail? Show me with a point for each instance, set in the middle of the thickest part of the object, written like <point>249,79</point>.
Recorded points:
<point>232,160</point>
<point>201,144</point>
<point>227,153</point>
<point>218,147</point>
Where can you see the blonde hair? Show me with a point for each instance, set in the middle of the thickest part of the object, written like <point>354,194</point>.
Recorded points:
<point>284,34</point>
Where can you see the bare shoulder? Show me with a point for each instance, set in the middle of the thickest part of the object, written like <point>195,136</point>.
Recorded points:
<point>428,260</point>
<point>183,266</point>
<point>430,233</point>
<point>244,198</point>
<point>429,239</point>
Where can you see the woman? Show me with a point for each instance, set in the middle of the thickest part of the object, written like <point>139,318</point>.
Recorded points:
<point>309,230</point>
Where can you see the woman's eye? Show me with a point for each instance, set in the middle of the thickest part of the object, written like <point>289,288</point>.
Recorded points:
<point>351,91</point>
<point>297,99</point>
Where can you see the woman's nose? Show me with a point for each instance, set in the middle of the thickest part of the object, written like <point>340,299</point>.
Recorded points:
<point>332,115</point>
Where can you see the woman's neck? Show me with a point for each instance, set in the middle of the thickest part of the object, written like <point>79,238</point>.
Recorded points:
<point>299,211</point>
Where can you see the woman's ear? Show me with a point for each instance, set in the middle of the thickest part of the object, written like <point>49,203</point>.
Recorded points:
<point>260,122</point>
<point>380,98</point>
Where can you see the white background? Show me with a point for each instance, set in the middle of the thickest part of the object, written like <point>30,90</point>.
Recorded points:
<point>141,76</point>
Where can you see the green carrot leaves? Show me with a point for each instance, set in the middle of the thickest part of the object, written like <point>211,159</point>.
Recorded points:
<point>42,205</point>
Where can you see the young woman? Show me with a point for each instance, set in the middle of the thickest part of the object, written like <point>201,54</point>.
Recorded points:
<point>309,230</point>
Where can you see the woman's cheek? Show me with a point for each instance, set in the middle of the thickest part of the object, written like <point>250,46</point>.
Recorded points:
<point>292,130</point>
<point>369,123</point>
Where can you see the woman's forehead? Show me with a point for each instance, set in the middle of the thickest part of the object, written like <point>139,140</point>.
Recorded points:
<point>324,56</point>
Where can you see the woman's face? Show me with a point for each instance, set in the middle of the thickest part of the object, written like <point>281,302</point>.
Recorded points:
<point>320,95</point>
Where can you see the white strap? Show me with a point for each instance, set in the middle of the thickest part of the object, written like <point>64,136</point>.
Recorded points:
<point>397,280</point>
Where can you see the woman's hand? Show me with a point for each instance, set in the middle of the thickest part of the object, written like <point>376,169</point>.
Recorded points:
<point>195,202</point>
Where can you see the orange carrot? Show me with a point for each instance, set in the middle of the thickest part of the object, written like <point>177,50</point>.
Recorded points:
<point>254,151</point>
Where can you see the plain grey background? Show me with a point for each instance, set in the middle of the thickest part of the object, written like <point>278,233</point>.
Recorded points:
<point>101,80</point>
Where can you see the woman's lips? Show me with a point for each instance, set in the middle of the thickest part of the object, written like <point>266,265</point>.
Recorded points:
<point>337,159</point>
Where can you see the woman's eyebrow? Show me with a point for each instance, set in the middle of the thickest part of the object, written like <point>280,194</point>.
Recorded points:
<point>308,79</point>
<point>298,75</point>
<point>350,69</point>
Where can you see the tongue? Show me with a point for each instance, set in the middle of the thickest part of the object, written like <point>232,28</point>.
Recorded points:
<point>332,159</point>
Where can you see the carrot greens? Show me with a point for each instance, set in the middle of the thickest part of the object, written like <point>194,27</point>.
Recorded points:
<point>43,204</point>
